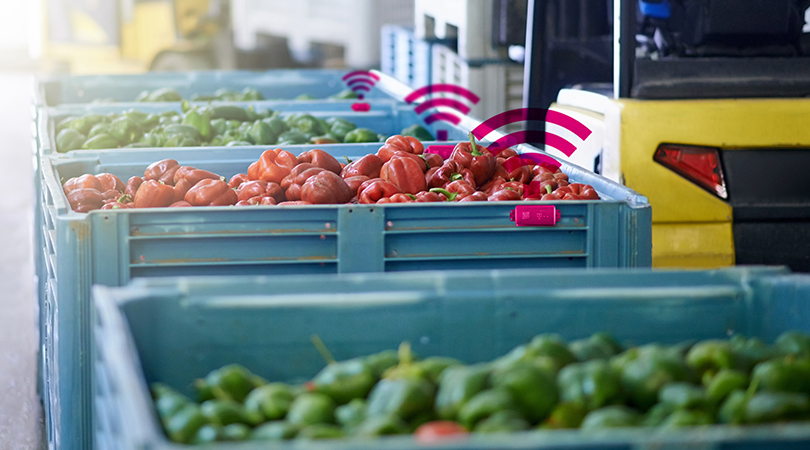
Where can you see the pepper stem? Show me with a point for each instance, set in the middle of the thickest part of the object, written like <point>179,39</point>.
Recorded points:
<point>450,195</point>
<point>348,161</point>
<point>404,353</point>
<point>321,347</point>
<point>456,176</point>
<point>126,198</point>
<point>473,147</point>
<point>548,189</point>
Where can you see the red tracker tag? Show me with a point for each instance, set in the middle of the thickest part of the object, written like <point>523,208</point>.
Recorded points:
<point>361,107</point>
<point>442,150</point>
<point>535,215</point>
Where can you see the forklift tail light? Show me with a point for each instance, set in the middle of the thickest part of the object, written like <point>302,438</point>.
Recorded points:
<point>700,165</point>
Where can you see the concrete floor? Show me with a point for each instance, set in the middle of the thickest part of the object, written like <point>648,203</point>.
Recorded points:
<point>21,419</point>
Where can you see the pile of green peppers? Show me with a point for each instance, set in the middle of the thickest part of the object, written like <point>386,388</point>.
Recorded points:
<point>591,383</point>
<point>211,125</point>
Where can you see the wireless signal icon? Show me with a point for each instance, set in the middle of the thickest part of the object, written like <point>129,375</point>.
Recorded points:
<point>360,81</point>
<point>533,134</point>
<point>442,102</point>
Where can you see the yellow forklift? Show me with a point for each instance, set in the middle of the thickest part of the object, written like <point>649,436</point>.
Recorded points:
<point>126,36</point>
<point>704,108</point>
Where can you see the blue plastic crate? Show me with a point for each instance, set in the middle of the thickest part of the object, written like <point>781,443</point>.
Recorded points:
<point>273,84</point>
<point>176,330</point>
<point>385,117</point>
<point>111,247</point>
<point>405,57</point>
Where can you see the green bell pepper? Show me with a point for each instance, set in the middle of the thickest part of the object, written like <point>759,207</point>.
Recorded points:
<point>767,407</point>
<point>682,395</point>
<point>231,382</point>
<point>457,385</point>
<point>593,383</point>
<point>99,128</point>
<point>292,137</point>
<point>417,131</point>
<point>219,127</point>
<point>565,415</point>
<point>724,383</point>
<point>793,343</point>
<point>652,368</point>
<point>277,125</point>
<point>788,374</point>
<point>275,431</point>
<point>405,397</point>
<point>100,142</point>
<point>340,127</point>
<point>160,95</point>
<point>346,94</point>
<point>597,346</point>
<point>235,432</point>
<point>311,408</point>
<point>346,380</point>
<point>708,357</point>
<point>382,426</point>
<point>269,402</point>
<point>182,427</point>
<point>227,112</point>
<point>434,366</point>
<point>200,122</point>
<point>614,416</point>
<point>485,404</point>
<point>69,139</point>
<point>223,412</point>
<point>506,421</point>
<point>359,135</point>
<point>125,130</point>
<point>321,431</point>
<point>533,391</point>
<point>553,346</point>
<point>687,418</point>
<point>207,434</point>
<point>351,414</point>
<point>261,133</point>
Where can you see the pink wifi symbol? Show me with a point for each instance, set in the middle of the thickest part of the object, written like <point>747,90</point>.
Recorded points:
<point>360,81</point>
<point>446,102</point>
<point>538,134</point>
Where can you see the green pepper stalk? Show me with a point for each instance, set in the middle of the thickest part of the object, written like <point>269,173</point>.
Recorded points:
<point>341,381</point>
<point>456,177</point>
<point>474,148</point>
<point>450,195</point>
<point>548,189</point>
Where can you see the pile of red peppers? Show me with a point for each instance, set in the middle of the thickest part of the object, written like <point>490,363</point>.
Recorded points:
<point>400,172</point>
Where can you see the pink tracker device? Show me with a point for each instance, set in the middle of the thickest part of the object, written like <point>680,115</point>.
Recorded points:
<point>535,215</point>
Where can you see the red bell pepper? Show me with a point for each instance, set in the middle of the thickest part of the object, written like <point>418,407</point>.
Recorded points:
<point>539,188</point>
<point>476,158</point>
<point>455,190</point>
<point>194,175</point>
<point>154,194</point>
<point>430,197</point>
<point>272,166</point>
<point>518,187</point>
<point>132,186</point>
<point>111,195</point>
<point>292,203</point>
<point>325,188</point>
<point>86,181</point>
<point>432,159</point>
<point>492,186</point>
<point>504,154</point>
<point>577,191</point>
<point>476,196</point>
<point>237,180</point>
<point>355,182</point>
<point>211,193</point>
<point>162,171</point>
<point>320,158</point>
<point>85,199</point>
<point>448,172</point>
<point>259,188</point>
<point>118,205</point>
<point>506,194</point>
<point>368,165</point>
<point>407,174</point>
<point>398,198</point>
<point>296,183</point>
<point>263,200</point>
<point>374,189</point>
<point>407,144</point>
<point>110,181</point>
<point>180,204</point>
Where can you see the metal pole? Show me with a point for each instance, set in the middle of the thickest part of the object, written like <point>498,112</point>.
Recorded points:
<point>533,56</point>
<point>624,47</point>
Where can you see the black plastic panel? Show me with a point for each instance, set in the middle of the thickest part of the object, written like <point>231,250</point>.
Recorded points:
<point>773,243</point>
